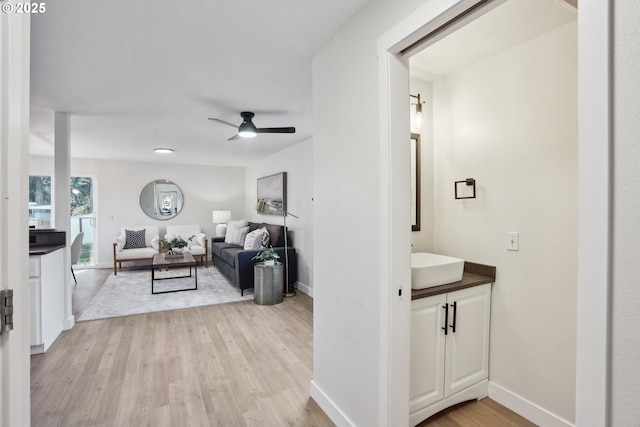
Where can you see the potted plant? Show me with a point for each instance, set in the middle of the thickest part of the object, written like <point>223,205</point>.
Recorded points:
<point>268,256</point>
<point>175,245</point>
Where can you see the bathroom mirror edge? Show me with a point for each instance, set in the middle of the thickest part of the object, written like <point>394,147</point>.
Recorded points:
<point>415,181</point>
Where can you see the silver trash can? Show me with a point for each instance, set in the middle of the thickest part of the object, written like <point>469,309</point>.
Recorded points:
<point>268,286</point>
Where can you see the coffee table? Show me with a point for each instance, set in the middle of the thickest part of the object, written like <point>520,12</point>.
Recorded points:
<point>160,262</point>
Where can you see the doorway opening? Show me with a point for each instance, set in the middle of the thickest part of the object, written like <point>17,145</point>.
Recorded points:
<point>503,94</point>
<point>393,69</point>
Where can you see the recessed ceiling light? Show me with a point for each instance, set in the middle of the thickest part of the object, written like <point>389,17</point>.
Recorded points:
<point>164,150</point>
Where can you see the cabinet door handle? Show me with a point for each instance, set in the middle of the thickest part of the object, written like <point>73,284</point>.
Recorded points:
<point>446,318</point>
<point>453,325</point>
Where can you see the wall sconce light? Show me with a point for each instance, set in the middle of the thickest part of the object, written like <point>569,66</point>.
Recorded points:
<point>465,189</point>
<point>418,104</point>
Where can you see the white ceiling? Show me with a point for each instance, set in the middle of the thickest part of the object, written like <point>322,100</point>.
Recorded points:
<point>503,27</point>
<point>135,75</point>
<point>139,75</point>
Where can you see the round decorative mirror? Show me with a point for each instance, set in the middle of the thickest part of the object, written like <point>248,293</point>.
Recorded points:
<point>161,199</point>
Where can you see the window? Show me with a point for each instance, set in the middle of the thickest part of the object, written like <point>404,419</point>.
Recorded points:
<point>81,205</point>
<point>82,217</point>
<point>40,201</point>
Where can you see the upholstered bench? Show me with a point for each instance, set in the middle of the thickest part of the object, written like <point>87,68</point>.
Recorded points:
<point>135,245</point>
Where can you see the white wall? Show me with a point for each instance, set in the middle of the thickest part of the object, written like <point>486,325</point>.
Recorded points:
<point>347,223</point>
<point>14,136</point>
<point>119,184</point>
<point>423,240</point>
<point>510,122</point>
<point>297,162</point>
<point>626,248</point>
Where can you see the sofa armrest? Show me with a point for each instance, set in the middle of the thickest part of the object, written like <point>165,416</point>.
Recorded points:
<point>119,243</point>
<point>245,262</point>
<point>244,268</point>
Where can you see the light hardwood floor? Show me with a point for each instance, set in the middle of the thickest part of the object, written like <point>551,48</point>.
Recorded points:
<point>480,413</point>
<point>228,365</point>
<point>90,281</point>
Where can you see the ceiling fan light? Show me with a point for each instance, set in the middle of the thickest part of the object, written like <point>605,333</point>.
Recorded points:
<point>247,134</point>
<point>247,129</point>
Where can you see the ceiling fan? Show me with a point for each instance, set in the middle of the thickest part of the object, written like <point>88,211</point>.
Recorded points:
<point>248,130</point>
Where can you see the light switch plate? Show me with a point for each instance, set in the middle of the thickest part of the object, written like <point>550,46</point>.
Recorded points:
<point>513,243</point>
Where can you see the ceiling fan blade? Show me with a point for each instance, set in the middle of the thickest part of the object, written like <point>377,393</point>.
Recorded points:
<point>233,138</point>
<point>276,130</point>
<point>223,122</point>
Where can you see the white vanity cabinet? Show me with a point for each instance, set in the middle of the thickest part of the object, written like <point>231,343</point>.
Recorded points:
<point>46,287</point>
<point>449,350</point>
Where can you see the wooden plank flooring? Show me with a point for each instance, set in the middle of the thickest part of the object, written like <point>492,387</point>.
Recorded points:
<point>479,413</point>
<point>228,365</point>
<point>238,364</point>
<point>90,280</point>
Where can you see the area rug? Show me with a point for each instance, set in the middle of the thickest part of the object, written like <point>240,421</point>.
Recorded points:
<point>129,293</point>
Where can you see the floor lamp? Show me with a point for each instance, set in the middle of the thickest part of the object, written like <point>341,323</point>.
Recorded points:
<point>262,203</point>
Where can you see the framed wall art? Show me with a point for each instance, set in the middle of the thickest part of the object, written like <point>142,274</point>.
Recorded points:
<point>272,194</point>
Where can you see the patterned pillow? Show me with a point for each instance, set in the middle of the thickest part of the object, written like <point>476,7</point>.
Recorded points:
<point>264,242</point>
<point>256,239</point>
<point>134,239</point>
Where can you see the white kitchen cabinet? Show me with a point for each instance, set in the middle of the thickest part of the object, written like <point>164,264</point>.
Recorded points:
<point>449,350</point>
<point>46,287</point>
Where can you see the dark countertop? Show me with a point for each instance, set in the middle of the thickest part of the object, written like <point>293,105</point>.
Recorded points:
<point>473,275</point>
<point>43,250</point>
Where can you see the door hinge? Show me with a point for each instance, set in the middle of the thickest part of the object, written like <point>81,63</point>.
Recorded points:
<point>6,310</point>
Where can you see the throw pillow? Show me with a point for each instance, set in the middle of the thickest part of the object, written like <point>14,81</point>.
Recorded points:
<point>241,223</point>
<point>236,235</point>
<point>276,235</point>
<point>264,242</point>
<point>200,239</point>
<point>255,239</point>
<point>134,239</point>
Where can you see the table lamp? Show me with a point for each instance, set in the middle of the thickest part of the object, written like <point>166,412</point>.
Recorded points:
<point>220,217</point>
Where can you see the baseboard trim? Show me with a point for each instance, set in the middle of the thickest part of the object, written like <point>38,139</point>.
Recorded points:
<point>525,408</point>
<point>304,289</point>
<point>68,323</point>
<point>326,404</point>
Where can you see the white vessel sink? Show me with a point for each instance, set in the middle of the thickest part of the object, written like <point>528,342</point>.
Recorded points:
<point>428,270</point>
